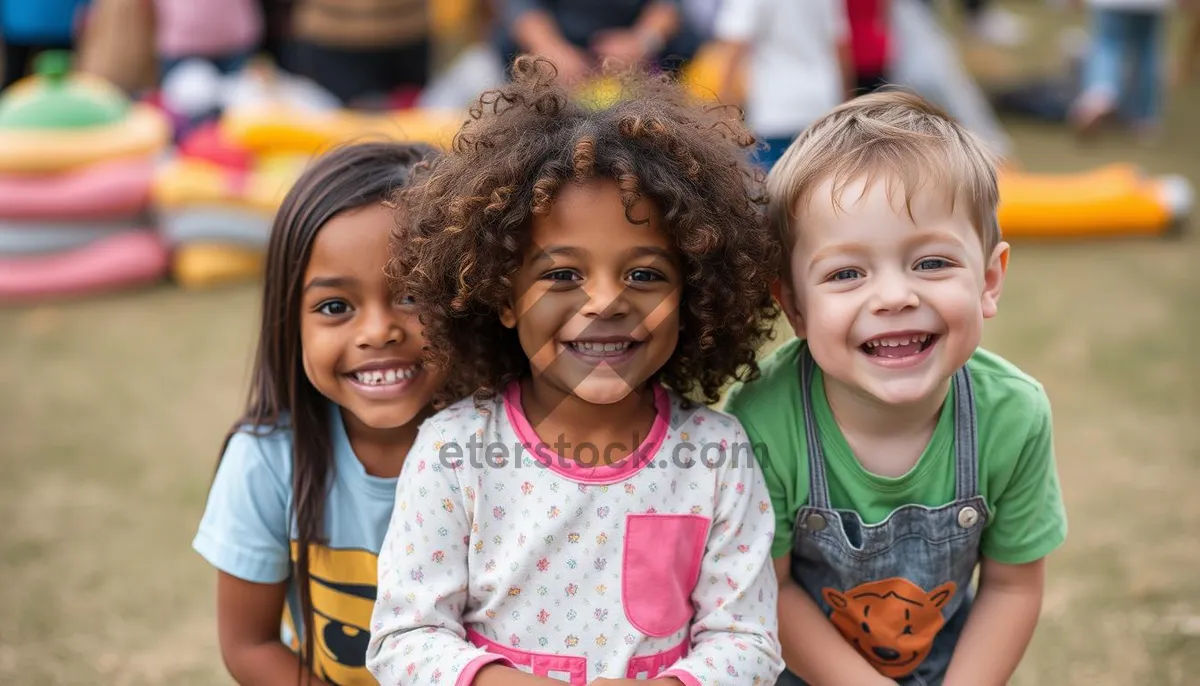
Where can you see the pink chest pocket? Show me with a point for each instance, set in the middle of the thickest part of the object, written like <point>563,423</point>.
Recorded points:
<point>660,568</point>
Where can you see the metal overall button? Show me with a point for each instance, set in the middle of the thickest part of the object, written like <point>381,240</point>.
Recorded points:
<point>814,522</point>
<point>967,517</point>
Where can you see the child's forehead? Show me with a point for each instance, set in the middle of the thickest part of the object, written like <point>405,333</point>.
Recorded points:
<point>881,211</point>
<point>839,198</point>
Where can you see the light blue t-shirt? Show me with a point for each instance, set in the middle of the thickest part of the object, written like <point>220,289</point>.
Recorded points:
<point>248,532</point>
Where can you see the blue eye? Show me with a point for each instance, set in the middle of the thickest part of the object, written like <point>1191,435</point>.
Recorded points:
<point>932,263</point>
<point>333,308</point>
<point>406,300</point>
<point>844,274</point>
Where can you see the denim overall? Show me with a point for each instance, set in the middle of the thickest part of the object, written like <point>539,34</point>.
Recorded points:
<point>899,590</point>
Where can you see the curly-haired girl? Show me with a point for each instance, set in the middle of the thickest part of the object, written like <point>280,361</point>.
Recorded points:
<point>593,272</point>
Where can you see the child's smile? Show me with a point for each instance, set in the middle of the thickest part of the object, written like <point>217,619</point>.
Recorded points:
<point>899,349</point>
<point>611,350</point>
<point>384,379</point>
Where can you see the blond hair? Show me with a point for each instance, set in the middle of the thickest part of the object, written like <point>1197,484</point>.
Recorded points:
<point>892,134</point>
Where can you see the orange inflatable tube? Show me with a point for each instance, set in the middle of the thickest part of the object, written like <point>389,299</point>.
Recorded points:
<point>1115,200</point>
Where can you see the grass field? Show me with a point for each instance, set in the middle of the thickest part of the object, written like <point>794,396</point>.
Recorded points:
<point>114,409</point>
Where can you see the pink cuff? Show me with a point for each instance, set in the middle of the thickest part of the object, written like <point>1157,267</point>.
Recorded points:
<point>467,676</point>
<point>685,677</point>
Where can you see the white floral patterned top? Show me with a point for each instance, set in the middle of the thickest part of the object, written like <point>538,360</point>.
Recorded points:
<point>500,550</point>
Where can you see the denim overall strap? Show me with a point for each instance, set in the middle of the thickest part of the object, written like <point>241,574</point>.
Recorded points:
<point>966,440</point>
<point>818,485</point>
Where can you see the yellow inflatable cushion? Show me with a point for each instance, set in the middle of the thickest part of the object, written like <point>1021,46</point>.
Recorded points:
<point>209,265</point>
<point>269,129</point>
<point>184,182</point>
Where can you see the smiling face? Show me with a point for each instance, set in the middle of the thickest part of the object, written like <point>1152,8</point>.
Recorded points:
<point>596,301</point>
<point>891,306</point>
<point>361,344</point>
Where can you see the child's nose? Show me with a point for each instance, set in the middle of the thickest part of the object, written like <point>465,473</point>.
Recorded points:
<point>378,329</point>
<point>606,298</point>
<point>893,293</point>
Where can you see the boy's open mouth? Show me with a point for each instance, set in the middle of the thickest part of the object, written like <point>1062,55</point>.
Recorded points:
<point>899,346</point>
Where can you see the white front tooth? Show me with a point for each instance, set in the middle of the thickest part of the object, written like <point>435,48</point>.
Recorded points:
<point>390,377</point>
<point>610,347</point>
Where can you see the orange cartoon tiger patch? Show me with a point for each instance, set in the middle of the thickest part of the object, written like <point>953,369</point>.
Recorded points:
<point>891,622</point>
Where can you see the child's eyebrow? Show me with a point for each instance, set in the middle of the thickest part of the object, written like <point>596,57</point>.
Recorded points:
<point>838,249</point>
<point>643,250</point>
<point>329,282</point>
<point>935,237</point>
<point>547,254</point>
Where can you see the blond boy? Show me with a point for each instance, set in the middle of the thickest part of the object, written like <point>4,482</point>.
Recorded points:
<point>900,456</point>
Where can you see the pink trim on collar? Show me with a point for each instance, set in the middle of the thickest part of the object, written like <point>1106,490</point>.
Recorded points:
<point>600,474</point>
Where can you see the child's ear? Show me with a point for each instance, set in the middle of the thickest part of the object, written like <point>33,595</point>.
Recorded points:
<point>993,279</point>
<point>786,297</point>
<point>508,317</point>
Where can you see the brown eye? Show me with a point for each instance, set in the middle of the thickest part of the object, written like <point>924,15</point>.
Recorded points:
<point>333,308</point>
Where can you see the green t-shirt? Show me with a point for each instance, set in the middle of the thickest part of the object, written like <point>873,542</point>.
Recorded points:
<point>1018,477</point>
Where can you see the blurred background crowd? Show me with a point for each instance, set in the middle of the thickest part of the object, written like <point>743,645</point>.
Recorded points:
<point>797,58</point>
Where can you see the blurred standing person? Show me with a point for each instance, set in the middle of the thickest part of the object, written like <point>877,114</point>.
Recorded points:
<point>29,27</point>
<point>1126,35</point>
<point>579,35</point>
<point>358,49</point>
<point>1189,61</point>
<point>869,43</point>
<point>925,58</point>
<point>224,33</point>
<point>799,60</point>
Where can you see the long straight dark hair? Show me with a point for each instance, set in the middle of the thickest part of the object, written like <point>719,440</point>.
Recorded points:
<point>281,396</point>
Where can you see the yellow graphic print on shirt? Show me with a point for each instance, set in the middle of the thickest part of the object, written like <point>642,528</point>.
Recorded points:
<point>343,584</point>
<point>891,622</point>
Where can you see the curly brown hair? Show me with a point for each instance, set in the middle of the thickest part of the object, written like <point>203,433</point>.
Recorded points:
<point>469,218</point>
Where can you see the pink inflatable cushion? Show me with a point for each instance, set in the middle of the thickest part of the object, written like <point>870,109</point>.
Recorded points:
<point>125,260</point>
<point>102,191</point>
<point>209,144</point>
